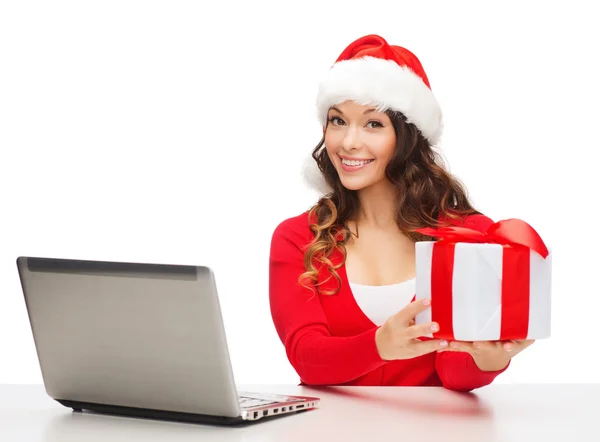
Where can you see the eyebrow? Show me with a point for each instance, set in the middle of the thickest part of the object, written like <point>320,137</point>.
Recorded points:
<point>365,112</point>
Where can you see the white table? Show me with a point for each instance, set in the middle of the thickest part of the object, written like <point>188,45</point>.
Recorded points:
<point>536,412</point>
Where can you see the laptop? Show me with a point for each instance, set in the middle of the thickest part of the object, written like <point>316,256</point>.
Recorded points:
<point>138,339</point>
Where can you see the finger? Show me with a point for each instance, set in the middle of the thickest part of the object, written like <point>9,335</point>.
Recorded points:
<point>417,331</point>
<point>484,345</point>
<point>462,346</point>
<point>526,343</point>
<point>509,345</point>
<point>413,309</point>
<point>424,347</point>
<point>516,346</point>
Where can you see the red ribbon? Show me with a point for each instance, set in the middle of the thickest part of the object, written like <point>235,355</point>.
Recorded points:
<point>517,238</point>
<point>508,232</point>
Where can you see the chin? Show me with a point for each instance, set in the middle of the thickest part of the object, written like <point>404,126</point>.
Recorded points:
<point>354,184</point>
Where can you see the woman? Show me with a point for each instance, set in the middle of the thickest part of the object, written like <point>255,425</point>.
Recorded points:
<point>342,274</point>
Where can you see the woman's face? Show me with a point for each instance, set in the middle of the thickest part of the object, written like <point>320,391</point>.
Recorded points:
<point>360,142</point>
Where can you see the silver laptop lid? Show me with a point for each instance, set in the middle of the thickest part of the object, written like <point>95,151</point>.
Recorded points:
<point>130,334</point>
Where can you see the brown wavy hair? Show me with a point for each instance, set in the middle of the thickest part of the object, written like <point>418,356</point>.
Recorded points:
<point>427,193</point>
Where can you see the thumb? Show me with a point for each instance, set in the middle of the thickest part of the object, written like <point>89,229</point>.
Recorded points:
<point>407,314</point>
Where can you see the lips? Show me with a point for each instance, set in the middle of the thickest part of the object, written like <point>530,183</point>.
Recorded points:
<point>353,165</point>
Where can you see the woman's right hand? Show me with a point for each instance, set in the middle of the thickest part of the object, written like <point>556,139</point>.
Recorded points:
<point>398,337</point>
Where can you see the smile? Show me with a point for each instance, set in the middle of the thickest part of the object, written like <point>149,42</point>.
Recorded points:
<point>353,165</point>
<point>355,162</point>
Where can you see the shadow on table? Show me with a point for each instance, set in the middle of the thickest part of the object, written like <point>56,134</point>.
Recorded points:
<point>421,400</point>
<point>91,426</point>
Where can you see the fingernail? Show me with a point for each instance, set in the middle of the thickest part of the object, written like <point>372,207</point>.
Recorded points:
<point>454,345</point>
<point>426,301</point>
<point>476,344</point>
<point>508,348</point>
<point>434,327</point>
<point>443,343</point>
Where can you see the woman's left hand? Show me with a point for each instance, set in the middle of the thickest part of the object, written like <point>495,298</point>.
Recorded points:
<point>490,355</point>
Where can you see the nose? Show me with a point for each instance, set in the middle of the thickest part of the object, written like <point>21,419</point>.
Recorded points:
<point>351,139</point>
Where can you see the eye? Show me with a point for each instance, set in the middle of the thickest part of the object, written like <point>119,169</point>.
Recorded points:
<point>374,124</point>
<point>336,121</point>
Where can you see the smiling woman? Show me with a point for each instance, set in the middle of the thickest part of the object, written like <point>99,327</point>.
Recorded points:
<point>352,127</point>
<point>339,269</point>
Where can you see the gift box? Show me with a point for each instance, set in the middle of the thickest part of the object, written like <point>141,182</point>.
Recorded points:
<point>485,286</point>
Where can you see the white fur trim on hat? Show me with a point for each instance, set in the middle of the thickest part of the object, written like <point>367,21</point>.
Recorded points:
<point>385,84</point>
<point>313,176</point>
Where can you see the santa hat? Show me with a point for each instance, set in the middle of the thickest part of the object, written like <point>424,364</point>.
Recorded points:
<point>372,72</point>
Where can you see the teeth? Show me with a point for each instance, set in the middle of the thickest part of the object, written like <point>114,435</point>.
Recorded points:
<point>355,162</point>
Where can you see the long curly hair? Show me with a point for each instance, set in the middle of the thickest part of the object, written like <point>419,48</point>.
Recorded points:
<point>427,194</point>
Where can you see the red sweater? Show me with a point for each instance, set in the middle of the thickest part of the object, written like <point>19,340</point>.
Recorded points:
<point>330,341</point>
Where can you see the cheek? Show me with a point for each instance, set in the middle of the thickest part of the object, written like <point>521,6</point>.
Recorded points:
<point>329,140</point>
<point>331,143</point>
<point>386,149</point>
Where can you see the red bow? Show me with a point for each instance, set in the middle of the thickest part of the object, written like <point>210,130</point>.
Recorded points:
<point>512,231</point>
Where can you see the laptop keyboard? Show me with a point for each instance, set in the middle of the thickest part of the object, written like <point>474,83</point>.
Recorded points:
<point>258,400</point>
<point>248,402</point>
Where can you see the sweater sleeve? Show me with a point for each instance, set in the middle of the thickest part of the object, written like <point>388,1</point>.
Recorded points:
<point>458,370</point>
<point>301,323</point>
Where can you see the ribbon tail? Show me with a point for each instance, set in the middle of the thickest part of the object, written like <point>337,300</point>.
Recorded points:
<point>516,231</point>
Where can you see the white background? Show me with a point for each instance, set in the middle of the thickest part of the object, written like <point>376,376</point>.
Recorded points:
<point>174,132</point>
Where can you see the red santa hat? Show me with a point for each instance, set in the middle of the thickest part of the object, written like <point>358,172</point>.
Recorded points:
<point>372,72</point>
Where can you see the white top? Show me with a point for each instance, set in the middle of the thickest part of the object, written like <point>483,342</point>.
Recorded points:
<point>379,302</point>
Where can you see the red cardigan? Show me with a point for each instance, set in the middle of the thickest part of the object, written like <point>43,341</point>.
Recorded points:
<point>330,341</point>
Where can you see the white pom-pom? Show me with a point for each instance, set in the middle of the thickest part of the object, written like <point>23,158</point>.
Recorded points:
<point>313,176</point>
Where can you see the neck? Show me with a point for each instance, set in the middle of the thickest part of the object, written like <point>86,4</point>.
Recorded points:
<point>378,204</point>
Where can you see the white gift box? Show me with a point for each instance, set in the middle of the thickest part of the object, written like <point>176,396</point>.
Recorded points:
<point>475,296</point>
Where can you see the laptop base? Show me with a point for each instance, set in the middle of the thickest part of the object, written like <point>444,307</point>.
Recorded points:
<point>155,414</point>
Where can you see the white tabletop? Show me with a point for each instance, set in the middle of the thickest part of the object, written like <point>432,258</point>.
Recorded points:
<point>496,413</point>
